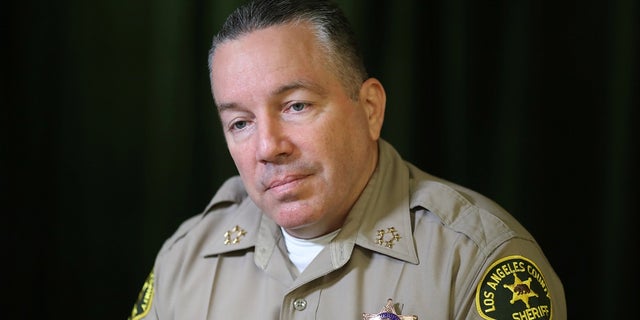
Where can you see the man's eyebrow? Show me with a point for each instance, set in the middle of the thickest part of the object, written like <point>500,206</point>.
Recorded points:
<point>225,106</point>
<point>295,85</point>
<point>299,84</point>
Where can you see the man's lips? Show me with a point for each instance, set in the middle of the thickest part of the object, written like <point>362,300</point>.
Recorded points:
<point>279,182</point>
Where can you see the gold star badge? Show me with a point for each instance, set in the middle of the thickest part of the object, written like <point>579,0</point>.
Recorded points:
<point>387,238</point>
<point>521,290</point>
<point>234,235</point>
<point>388,313</point>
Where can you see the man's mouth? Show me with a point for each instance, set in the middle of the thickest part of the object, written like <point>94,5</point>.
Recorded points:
<point>284,181</point>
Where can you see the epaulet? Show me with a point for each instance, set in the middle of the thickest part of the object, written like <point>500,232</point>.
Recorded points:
<point>464,210</point>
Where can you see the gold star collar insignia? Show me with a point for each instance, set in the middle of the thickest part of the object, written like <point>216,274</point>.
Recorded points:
<point>387,238</point>
<point>234,235</point>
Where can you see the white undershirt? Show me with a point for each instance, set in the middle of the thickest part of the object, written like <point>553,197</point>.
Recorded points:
<point>303,251</point>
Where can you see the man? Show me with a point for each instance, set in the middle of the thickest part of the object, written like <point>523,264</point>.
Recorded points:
<point>326,220</point>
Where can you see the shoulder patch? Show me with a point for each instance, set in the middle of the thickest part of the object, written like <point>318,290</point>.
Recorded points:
<point>513,288</point>
<point>143,304</point>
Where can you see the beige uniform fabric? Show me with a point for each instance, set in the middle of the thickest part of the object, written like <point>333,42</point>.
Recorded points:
<point>421,241</point>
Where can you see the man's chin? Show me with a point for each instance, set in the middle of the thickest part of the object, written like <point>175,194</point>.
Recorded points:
<point>296,221</point>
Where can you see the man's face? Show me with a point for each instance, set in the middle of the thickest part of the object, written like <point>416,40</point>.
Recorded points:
<point>303,148</point>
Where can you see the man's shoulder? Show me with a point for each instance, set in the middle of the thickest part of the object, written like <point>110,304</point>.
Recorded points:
<point>464,210</point>
<point>231,191</point>
<point>229,207</point>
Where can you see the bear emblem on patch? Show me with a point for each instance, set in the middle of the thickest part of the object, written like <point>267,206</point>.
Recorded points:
<point>513,288</point>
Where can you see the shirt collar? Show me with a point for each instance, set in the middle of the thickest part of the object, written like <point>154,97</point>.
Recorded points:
<point>380,220</point>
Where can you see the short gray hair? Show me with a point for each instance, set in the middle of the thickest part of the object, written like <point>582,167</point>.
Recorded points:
<point>332,29</point>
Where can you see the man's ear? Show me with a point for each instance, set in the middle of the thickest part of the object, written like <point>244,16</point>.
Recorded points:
<point>374,99</point>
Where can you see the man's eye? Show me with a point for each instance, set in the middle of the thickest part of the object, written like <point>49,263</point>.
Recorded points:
<point>239,125</point>
<point>299,106</point>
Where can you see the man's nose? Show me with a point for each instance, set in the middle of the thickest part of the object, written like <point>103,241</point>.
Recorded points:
<point>273,143</point>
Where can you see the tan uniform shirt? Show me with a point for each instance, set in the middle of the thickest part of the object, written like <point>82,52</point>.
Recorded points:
<point>438,250</point>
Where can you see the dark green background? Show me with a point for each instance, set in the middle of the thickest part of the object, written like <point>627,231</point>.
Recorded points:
<point>110,138</point>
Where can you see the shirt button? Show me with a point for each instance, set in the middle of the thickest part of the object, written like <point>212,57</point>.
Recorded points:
<point>300,304</point>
